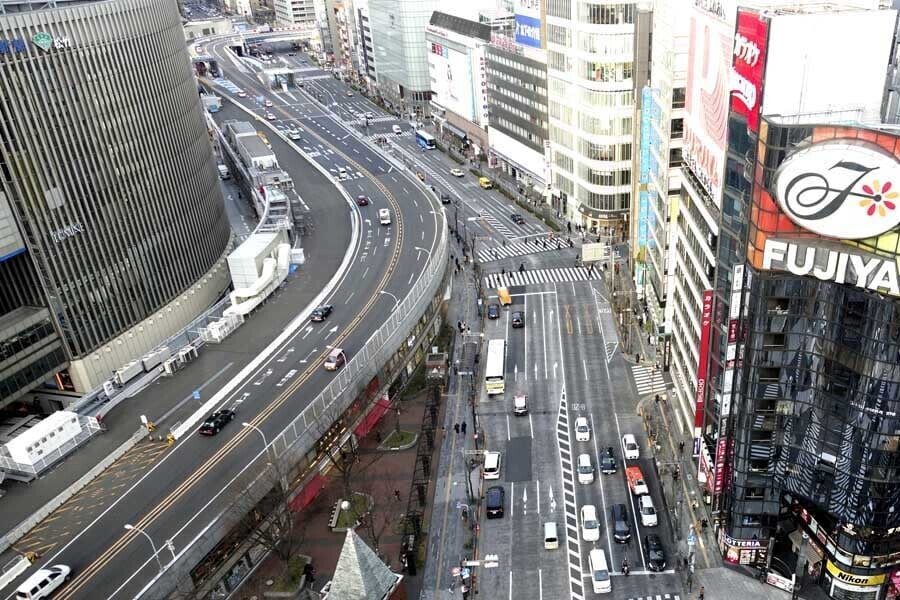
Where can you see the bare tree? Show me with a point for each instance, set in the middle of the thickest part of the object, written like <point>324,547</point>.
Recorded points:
<point>269,522</point>
<point>385,512</point>
<point>349,461</point>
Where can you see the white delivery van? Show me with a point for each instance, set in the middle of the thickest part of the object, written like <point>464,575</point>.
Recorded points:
<point>224,173</point>
<point>599,572</point>
<point>551,538</point>
<point>491,468</point>
<point>384,216</point>
<point>43,583</point>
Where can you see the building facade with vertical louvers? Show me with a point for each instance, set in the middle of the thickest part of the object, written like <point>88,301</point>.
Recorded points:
<point>112,220</point>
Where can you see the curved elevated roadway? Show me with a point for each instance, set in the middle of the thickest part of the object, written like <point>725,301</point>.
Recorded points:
<point>183,492</point>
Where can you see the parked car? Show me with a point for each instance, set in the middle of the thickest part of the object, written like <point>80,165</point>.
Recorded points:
<point>582,430</point>
<point>518,319</point>
<point>493,311</point>
<point>320,314</point>
<point>457,172</point>
<point>495,498</point>
<point>217,421</point>
<point>656,556</point>
<point>362,200</point>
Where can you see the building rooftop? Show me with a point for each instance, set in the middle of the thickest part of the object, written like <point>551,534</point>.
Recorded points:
<point>481,31</point>
<point>360,574</point>
<point>255,147</point>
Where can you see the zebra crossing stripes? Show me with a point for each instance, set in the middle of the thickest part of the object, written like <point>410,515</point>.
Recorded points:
<point>537,276</point>
<point>498,225</point>
<point>658,597</point>
<point>647,381</point>
<point>510,250</point>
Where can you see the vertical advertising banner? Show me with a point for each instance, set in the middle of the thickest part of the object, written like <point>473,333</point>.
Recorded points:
<point>749,63</point>
<point>699,402</point>
<point>731,365</point>
<point>646,219</point>
<point>528,23</point>
<point>706,99</point>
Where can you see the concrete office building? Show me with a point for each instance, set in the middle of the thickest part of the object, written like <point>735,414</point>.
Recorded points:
<point>365,58</point>
<point>517,100</point>
<point>800,419</point>
<point>341,31</point>
<point>590,66</point>
<point>112,223</point>
<point>458,70</point>
<point>401,53</point>
<point>295,13</point>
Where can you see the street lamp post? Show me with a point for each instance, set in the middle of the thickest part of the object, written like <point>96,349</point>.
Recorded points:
<point>387,293</point>
<point>131,527</point>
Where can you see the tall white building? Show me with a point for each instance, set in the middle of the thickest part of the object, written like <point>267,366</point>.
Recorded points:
<point>365,49</point>
<point>590,67</point>
<point>659,136</point>
<point>292,13</point>
<point>457,66</point>
<point>401,53</point>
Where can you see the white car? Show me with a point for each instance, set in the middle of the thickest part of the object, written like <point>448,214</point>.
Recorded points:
<point>241,94</point>
<point>585,469</point>
<point>457,172</point>
<point>582,430</point>
<point>270,116</point>
<point>294,134</point>
<point>267,103</point>
<point>590,526</point>
<point>648,512</point>
<point>630,447</point>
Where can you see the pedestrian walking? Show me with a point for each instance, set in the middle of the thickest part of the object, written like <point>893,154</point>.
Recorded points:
<point>397,495</point>
<point>521,267</point>
<point>657,400</point>
<point>557,245</point>
<point>503,272</point>
<point>459,326</point>
<point>456,428</point>
<point>569,225</point>
<point>504,243</point>
<point>462,428</point>
<point>544,243</point>
<point>702,593</point>
<point>681,447</point>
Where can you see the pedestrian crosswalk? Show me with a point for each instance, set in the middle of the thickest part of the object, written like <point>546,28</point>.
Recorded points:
<point>647,380</point>
<point>509,250</point>
<point>536,276</point>
<point>498,225</point>
<point>657,597</point>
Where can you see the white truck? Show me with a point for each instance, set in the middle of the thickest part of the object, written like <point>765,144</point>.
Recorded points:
<point>224,173</point>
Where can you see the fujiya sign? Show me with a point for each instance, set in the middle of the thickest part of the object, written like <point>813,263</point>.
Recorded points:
<point>842,189</point>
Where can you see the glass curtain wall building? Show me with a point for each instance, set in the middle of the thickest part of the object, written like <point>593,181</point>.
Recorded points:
<point>401,53</point>
<point>107,171</point>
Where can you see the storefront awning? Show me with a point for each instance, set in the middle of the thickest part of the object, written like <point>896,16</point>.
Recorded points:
<point>454,130</point>
<point>368,423</point>
<point>309,492</point>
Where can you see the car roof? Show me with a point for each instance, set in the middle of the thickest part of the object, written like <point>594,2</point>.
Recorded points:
<point>589,509</point>
<point>581,420</point>
<point>628,437</point>
<point>38,576</point>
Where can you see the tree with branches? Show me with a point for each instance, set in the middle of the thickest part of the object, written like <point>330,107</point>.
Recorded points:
<point>386,511</point>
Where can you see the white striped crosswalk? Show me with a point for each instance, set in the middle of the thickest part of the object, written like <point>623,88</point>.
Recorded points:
<point>498,225</point>
<point>658,597</point>
<point>511,249</point>
<point>536,276</point>
<point>647,381</point>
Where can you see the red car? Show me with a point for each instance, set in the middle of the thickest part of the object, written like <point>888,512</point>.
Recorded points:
<point>362,200</point>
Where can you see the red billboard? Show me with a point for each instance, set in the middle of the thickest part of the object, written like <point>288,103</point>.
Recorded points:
<point>748,66</point>
<point>705,326</point>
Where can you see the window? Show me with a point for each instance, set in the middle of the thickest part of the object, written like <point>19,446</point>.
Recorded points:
<point>607,14</point>
<point>560,8</point>
<point>678,98</point>
<point>559,35</point>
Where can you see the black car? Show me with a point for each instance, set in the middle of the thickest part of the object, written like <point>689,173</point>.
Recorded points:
<point>493,311</point>
<point>362,200</point>
<point>215,422</point>
<point>445,198</point>
<point>656,556</point>
<point>321,313</point>
<point>494,501</point>
<point>518,319</point>
<point>608,462</point>
<point>621,528</point>
<point>517,219</point>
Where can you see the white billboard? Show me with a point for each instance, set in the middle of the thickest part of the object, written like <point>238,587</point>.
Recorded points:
<point>811,71</point>
<point>452,79</point>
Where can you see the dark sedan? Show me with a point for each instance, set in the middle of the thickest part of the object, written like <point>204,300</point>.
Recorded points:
<point>215,422</point>
<point>362,200</point>
<point>517,219</point>
<point>518,319</point>
<point>608,462</point>
<point>321,313</point>
<point>493,311</point>
<point>656,556</point>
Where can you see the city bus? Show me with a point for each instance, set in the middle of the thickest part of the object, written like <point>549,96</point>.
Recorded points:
<point>496,367</point>
<point>424,139</point>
